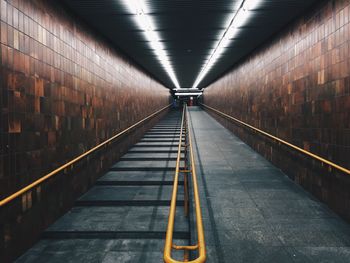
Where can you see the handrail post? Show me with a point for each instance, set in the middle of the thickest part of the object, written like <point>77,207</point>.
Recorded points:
<point>185,174</point>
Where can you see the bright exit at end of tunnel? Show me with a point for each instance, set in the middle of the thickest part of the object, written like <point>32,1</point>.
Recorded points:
<point>174,131</point>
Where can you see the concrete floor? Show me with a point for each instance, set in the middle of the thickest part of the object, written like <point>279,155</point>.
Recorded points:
<point>255,213</point>
<point>252,211</point>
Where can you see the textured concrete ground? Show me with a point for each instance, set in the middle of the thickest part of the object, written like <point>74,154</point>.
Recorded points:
<point>255,213</point>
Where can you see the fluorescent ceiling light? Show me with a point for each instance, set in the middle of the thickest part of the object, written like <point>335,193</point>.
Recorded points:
<point>145,22</point>
<point>188,93</point>
<point>238,20</point>
<point>251,4</point>
<point>188,89</point>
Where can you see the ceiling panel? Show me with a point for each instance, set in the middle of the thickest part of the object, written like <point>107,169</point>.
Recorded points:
<point>189,31</point>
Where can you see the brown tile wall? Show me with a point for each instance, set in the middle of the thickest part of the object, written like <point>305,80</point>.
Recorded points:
<point>297,87</point>
<point>63,90</point>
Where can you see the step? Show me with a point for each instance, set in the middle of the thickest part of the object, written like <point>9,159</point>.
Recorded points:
<point>144,168</point>
<point>141,182</point>
<point>156,144</point>
<point>162,137</point>
<point>166,147</point>
<point>120,219</point>
<point>145,158</point>
<point>150,155</point>
<point>130,193</point>
<point>150,164</point>
<point>165,129</point>
<point>166,125</point>
<point>159,134</point>
<point>138,176</point>
<point>175,121</point>
<point>166,137</point>
<point>169,129</point>
<point>114,203</point>
<point>172,135</point>
<point>161,140</point>
<point>112,234</point>
<point>99,250</point>
<point>153,150</point>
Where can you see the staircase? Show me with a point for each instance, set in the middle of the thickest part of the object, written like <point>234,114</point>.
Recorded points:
<point>123,217</point>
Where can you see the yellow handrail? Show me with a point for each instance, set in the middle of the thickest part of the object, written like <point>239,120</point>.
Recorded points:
<point>312,155</point>
<point>8,199</point>
<point>199,223</point>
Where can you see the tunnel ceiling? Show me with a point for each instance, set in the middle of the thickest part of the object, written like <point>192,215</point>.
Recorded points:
<point>189,31</point>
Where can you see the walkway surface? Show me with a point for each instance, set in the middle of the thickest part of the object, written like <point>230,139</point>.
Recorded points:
<point>252,211</point>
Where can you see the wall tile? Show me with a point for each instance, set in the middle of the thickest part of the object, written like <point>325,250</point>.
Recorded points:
<point>297,88</point>
<point>63,90</point>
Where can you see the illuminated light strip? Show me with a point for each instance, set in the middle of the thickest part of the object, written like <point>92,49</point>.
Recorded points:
<point>188,93</point>
<point>145,22</point>
<point>189,90</point>
<point>238,20</point>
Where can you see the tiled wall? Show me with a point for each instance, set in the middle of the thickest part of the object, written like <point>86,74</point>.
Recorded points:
<point>63,90</point>
<point>297,87</point>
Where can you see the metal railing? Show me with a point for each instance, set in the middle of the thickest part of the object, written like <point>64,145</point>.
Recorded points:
<point>188,168</point>
<point>330,164</point>
<point>29,187</point>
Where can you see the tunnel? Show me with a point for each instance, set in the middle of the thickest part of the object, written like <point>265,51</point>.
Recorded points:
<point>175,131</point>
